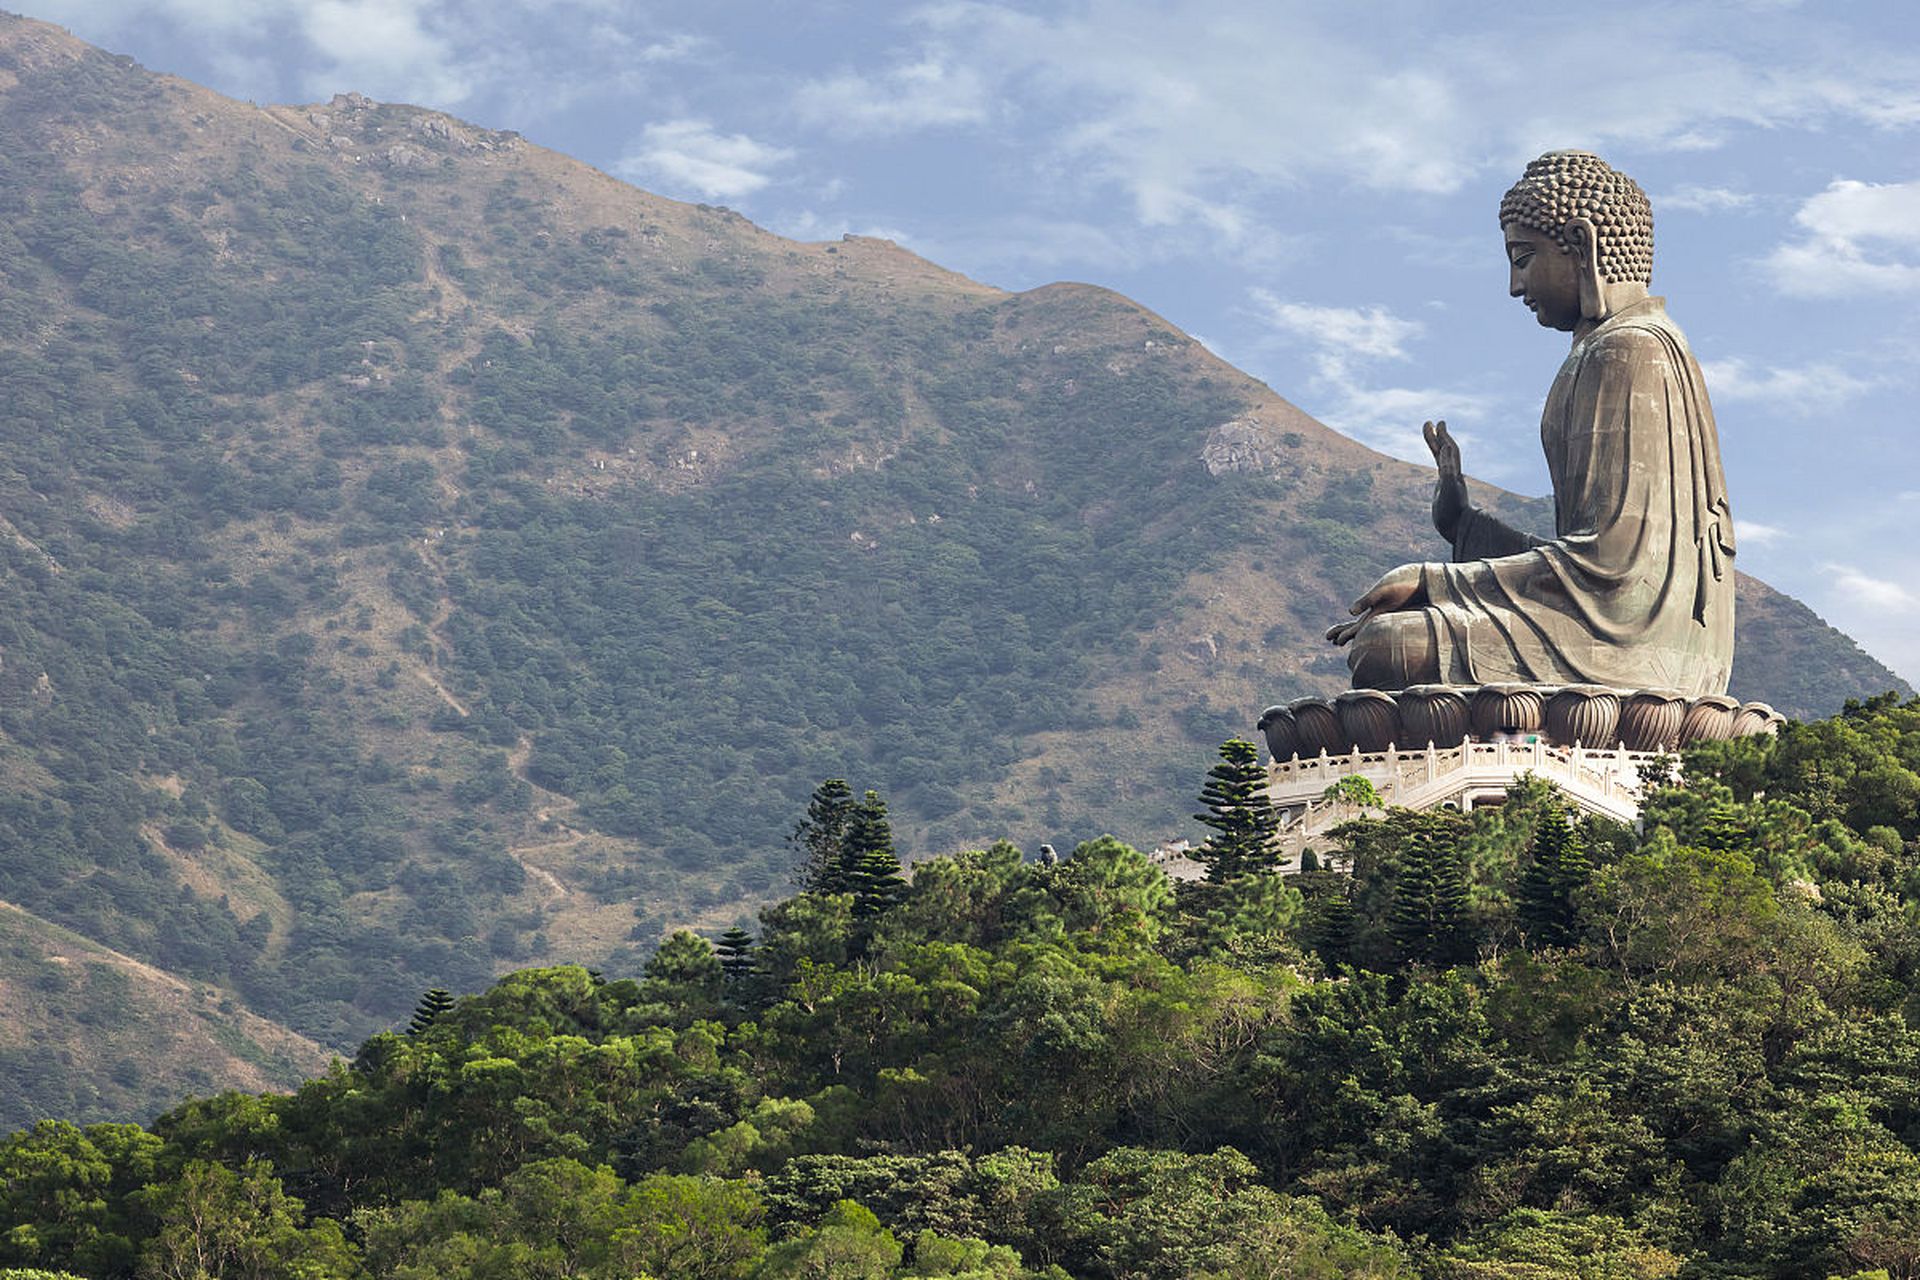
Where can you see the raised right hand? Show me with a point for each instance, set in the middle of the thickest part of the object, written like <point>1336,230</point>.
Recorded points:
<point>1450,500</point>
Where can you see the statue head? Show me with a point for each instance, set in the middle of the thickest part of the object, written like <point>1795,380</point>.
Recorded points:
<point>1573,206</point>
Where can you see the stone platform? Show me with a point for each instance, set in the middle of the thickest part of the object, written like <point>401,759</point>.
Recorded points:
<point>1591,742</point>
<point>1579,715</point>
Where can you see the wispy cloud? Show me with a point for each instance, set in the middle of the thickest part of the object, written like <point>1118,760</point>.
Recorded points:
<point>1344,345</point>
<point>928,92</point>
<point>1697,199</point>
<point>1793,389</point>
<point>1855,238</point>
<point>1875,595</point>
<point>1754,534</point>
<point>1198,109</point>
<point>387,46</point>
<point>1373,333</point>
<point>531,59</point>
<point>693,156</point>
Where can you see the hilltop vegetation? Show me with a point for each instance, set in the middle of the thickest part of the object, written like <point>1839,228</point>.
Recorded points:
<point>1690,1052</point>
<point>421,555</point>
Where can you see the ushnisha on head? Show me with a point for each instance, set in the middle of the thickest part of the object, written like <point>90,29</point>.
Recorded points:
<point>1563,185</point>
<point>1579,239</point>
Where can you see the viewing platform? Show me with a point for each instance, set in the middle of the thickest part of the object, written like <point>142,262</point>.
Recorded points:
<point>1592,743</point>
<point>1464,776</point>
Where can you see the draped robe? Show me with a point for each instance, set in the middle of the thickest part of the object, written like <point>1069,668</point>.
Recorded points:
<point>1635,589</point>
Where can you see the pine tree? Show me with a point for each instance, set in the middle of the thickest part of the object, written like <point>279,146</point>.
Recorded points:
<point>1331,926</point>
<point>1246,830</point>
<point>870,868</point>
<point>432,1005</point>
<point>735,949</point>
<point>820,838</point>
<point>1723,830</point>
<point>1428,917</point>
<point>1546,892</point>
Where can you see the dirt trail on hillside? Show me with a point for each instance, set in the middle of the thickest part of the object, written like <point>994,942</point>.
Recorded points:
<point>255,1023</point>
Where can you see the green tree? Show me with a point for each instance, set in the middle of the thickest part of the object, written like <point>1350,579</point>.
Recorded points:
<point>1166,1215</point>
<point>849,1244</point>
<point>1547,897</point>
<point>819,839</point>
<point>1428,916</point>
<point>63,1193</point>
<point>1330,924</point>
<point>686,976</point>
<point>213,1222</point>
<point>1246,829</point>
<point>1536,1244</point>
<point>871,869</point>
<point>700,1228</point>
<point>735,949</point>
<point>1666,909</point>
<point>432,1005</point>
<point>1353,792</point>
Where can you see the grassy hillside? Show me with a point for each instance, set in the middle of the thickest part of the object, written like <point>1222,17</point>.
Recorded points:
<point>424,554</point>
<point>87,1031</point>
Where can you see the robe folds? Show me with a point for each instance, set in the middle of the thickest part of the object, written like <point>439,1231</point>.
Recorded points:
<point>1635,590</point>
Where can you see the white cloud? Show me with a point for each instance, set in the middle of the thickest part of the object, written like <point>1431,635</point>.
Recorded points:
<point>1856,238</point>
<point>1792,389</point>
<point>927,93</point>
<point>1875,595</point>
<point>691,155</point>
<point>1372,332</point>
<point>384,48</point>
<point>1343,342</point>
<point>1697,199</point>
<point>524,61</point>
<point>210,16</point>
<point>1199,109</point>
<point>1754,534</point>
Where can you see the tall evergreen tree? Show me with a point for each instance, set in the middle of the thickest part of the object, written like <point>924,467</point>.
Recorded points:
<point>1724,831</point>
<point>1330,926</point>
<point>1545,896</point>
<point>735,949</point>
<point>432,1005</point>
<point>1428,917</point>
<point>1246,830</point>
<point>870,868</point>
<point>820,838</point>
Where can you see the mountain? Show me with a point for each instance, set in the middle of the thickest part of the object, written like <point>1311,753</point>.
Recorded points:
<point>422,554</point>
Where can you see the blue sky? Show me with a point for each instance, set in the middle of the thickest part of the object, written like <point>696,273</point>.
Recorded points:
<point>1310,188</point>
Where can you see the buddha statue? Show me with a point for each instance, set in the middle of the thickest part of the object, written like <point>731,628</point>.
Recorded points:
<point>1635,588</point>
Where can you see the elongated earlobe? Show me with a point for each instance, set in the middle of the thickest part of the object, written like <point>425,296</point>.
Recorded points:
<point>1581,237</point>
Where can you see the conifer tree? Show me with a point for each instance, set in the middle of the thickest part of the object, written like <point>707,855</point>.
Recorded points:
<point>1331,925</point>
<point>1545,894</point>
<point>1428,917</point>
<point>869,866</point>
<point>735,949</point>
<point>1723,831</point>
<point>820,839</point>
<point>1246,830</point>
<point>432,1005</point>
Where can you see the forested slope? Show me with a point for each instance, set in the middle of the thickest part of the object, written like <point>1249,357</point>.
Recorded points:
<point>1508,1047</point>
<point>422,555</point>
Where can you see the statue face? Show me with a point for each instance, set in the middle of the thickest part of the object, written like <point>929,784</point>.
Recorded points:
<point>1543,275</point>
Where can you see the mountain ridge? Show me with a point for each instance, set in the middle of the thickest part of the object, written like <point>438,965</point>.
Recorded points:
<point>431,555</point>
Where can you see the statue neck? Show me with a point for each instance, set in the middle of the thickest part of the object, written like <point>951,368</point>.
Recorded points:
<point>1614,298</point>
